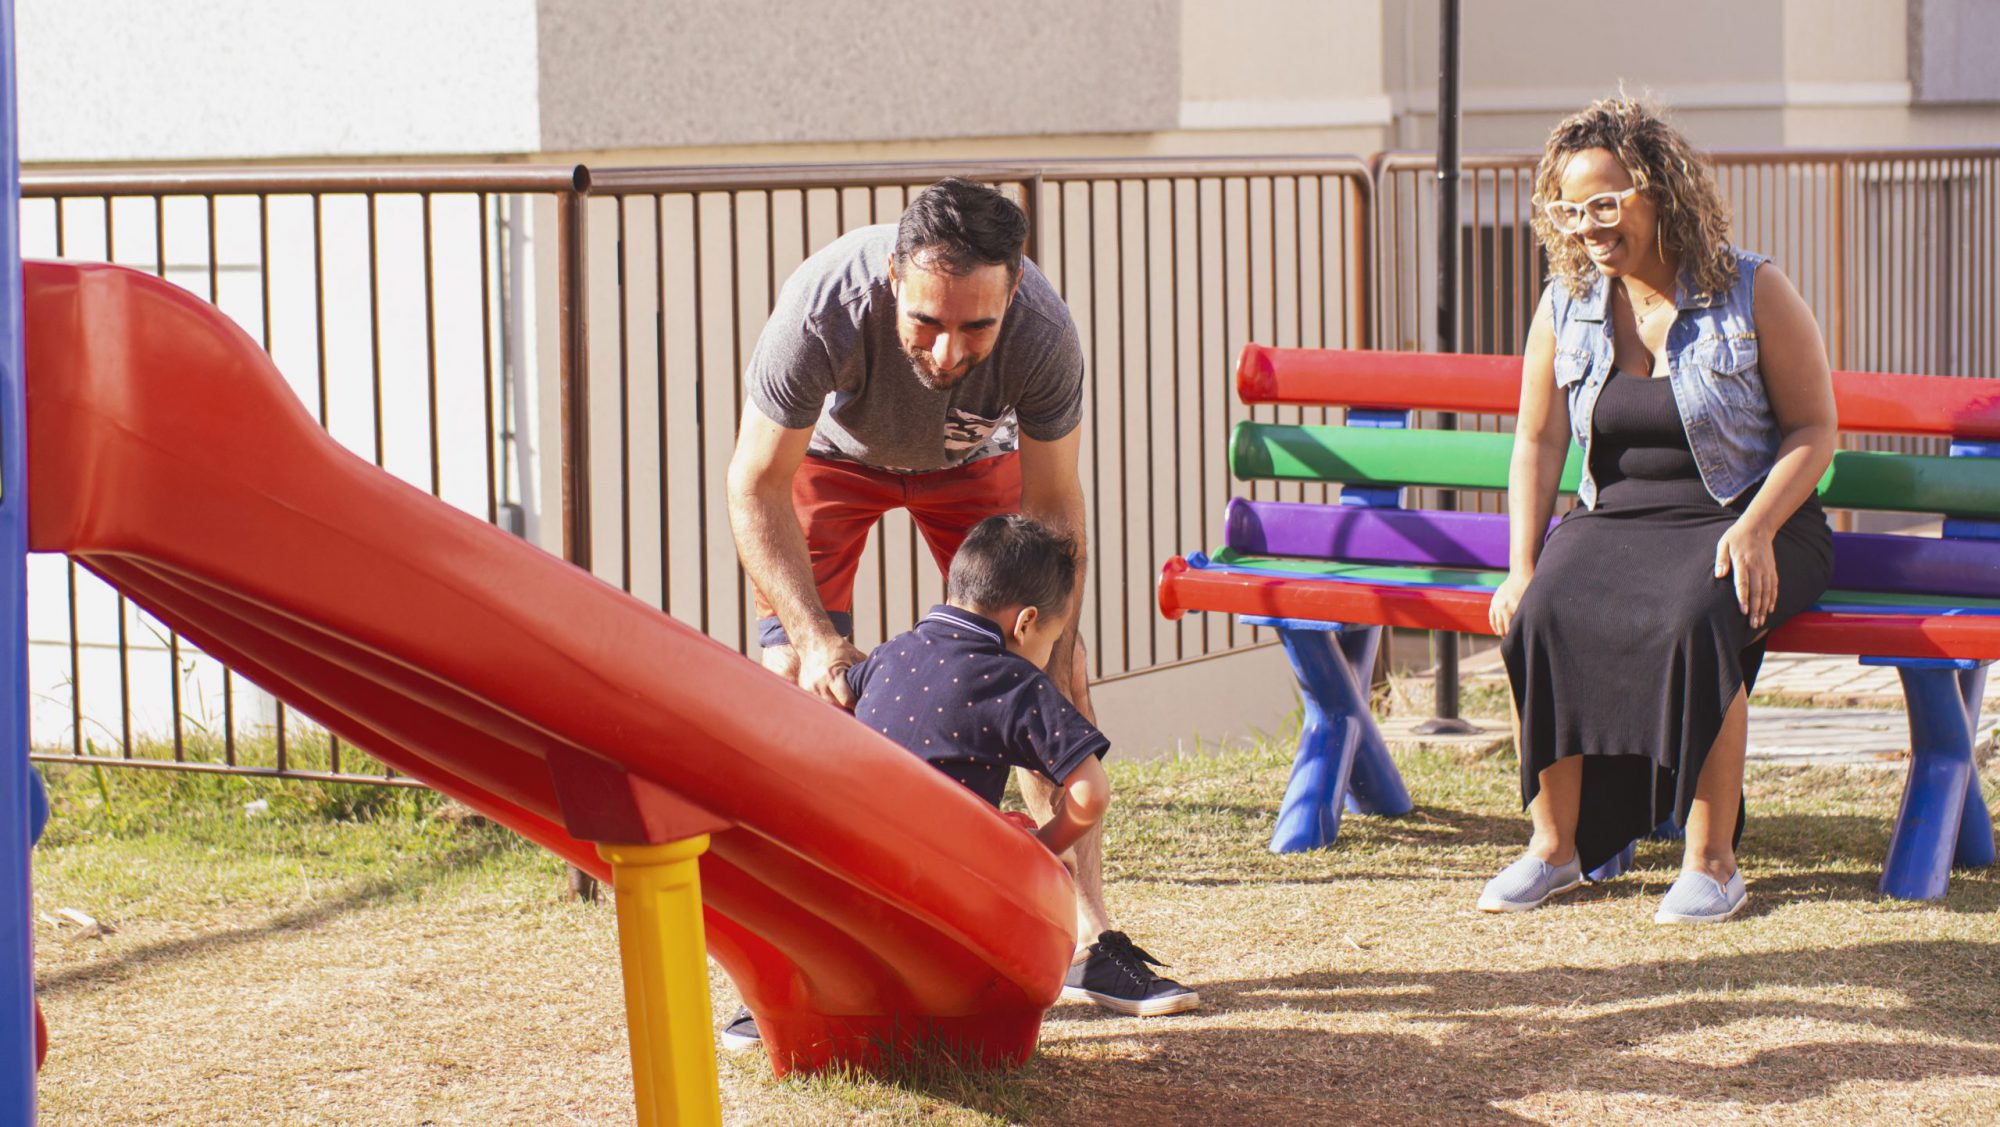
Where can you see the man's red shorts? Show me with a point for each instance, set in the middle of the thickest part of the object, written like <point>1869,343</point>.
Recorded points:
<point>839,502</point>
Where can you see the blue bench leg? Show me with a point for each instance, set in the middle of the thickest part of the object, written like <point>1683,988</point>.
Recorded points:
<point>1941,786</point>
<point>1374,786</point>
<point>1616,867</point>
<point>1339,737</point>
<point>1975,825</point>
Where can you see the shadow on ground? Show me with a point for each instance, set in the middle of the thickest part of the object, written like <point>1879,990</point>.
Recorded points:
<point>360,895</point>
<point>1490,1037</point>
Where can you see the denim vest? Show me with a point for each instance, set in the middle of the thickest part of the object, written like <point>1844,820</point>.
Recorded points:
<point>1712,362</point>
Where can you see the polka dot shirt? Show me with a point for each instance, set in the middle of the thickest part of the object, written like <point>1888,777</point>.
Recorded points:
<point>952,693</point>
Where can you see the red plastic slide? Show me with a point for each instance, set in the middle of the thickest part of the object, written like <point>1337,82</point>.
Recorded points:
<point>861,901</point>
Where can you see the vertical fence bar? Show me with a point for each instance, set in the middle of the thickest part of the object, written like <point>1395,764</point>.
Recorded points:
<point>488,391</point>
<point>427,202</point>
<point>662,386</point>
<point>573,344</point>
<point>624,416</point>
<point>736,392</point>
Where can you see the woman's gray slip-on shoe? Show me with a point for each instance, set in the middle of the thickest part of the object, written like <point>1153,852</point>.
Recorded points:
<point>1697,898</point>
<point>1529,881</point>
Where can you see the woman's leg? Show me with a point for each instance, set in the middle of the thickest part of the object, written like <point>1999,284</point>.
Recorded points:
<point>1557,800</point>
<point>1718,796</point>
<point>1554,811</point>
<point>1549,867</point>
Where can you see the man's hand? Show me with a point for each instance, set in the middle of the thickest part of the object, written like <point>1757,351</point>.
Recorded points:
<point>1017,818</point>
<point>823,670</point>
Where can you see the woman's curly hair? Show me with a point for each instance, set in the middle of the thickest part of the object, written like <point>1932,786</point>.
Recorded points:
<point>1694,222</point>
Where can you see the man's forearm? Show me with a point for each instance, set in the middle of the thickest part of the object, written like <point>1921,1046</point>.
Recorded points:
<point>772,547</point>
<point>1068,517</point>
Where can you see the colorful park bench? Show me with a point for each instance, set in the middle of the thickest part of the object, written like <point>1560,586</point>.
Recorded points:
<point>1327,577</point>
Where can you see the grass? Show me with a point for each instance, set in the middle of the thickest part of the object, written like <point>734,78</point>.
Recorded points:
<point>368,957</point>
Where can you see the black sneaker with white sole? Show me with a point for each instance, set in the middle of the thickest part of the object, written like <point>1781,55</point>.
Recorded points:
<point>1116,974</point>
<point>741,1032</point>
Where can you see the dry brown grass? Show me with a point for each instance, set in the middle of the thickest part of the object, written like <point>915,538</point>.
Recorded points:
<point>407,970</point>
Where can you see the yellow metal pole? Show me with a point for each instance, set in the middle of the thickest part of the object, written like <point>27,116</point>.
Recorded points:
<point>666,980</point>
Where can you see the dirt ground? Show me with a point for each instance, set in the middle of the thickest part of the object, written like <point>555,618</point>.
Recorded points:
<point>372,973</point>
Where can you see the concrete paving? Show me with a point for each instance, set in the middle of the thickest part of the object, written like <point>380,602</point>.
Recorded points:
<point>1809,709</point>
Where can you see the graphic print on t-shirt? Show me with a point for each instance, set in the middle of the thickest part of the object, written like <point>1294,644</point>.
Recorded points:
<point>967,435</point>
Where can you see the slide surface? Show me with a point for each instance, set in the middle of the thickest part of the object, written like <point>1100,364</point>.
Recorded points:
<point>861,901</point>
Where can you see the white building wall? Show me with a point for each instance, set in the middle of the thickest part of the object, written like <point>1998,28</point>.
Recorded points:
<point>220,79</point>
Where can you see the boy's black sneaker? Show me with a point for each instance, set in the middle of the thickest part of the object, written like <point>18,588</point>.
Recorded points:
<point>1117,975</point>
<point>741,1032</point>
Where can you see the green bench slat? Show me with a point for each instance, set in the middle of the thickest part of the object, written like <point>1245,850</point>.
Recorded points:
<point>1370,456</point>
<point>1858,479</point>
<point>1373,573</point>
<point>1912,483</point>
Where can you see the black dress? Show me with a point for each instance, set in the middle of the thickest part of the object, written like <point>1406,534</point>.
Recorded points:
<point>1626,649</point>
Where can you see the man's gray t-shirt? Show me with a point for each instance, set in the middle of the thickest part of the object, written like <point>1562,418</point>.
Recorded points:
<point>829,358</point>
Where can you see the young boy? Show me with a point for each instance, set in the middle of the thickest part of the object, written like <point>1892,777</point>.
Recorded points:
<point>965,689</point>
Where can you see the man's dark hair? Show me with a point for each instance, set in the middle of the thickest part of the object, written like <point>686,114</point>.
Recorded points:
<point>958,226</point>
<point>1013,561</point>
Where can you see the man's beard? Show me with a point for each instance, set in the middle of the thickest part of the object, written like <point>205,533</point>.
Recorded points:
<point>929,375</point>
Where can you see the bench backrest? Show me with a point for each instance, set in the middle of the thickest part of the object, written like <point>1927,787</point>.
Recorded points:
<point>1963,409</point>
<point>1966,489</point>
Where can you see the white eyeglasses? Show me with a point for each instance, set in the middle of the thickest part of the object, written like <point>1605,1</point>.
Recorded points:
<point>1602,210</point>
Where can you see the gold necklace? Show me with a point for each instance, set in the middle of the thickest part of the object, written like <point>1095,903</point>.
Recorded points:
<point>1654,303</point>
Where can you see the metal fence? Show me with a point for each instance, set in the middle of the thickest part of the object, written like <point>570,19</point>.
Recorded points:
<point>561,352</point>
<point>1896,250</point>
<point>393,301</point>
<point>1169,267</point>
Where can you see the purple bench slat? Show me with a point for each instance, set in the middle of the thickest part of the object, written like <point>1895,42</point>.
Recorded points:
<point>1914,565</point>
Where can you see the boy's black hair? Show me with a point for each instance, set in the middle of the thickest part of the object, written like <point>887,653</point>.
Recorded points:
<point>958,226</point>
<point>1011,561</point>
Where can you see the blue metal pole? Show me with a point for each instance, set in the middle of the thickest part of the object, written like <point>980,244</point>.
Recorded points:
<point>17,974</point>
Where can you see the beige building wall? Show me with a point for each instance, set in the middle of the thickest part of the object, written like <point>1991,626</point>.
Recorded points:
<point>1734,73</point>
<point>626,73</point>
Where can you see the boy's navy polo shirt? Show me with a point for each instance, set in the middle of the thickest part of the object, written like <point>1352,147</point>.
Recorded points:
<point>952,692</point>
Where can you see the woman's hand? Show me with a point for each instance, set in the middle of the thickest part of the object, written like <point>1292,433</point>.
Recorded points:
<point>1745,553</point>
<point>1507,600</point>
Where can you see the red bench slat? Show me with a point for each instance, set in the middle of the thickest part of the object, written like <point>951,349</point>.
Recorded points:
<point>1876,402</point>
<point>1184,588</point>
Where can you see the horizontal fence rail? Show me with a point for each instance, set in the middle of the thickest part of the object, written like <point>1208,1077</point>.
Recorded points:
<point>561,351</point>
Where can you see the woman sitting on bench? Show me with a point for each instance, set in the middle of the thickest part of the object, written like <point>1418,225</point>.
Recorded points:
<point>1694,378</point>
